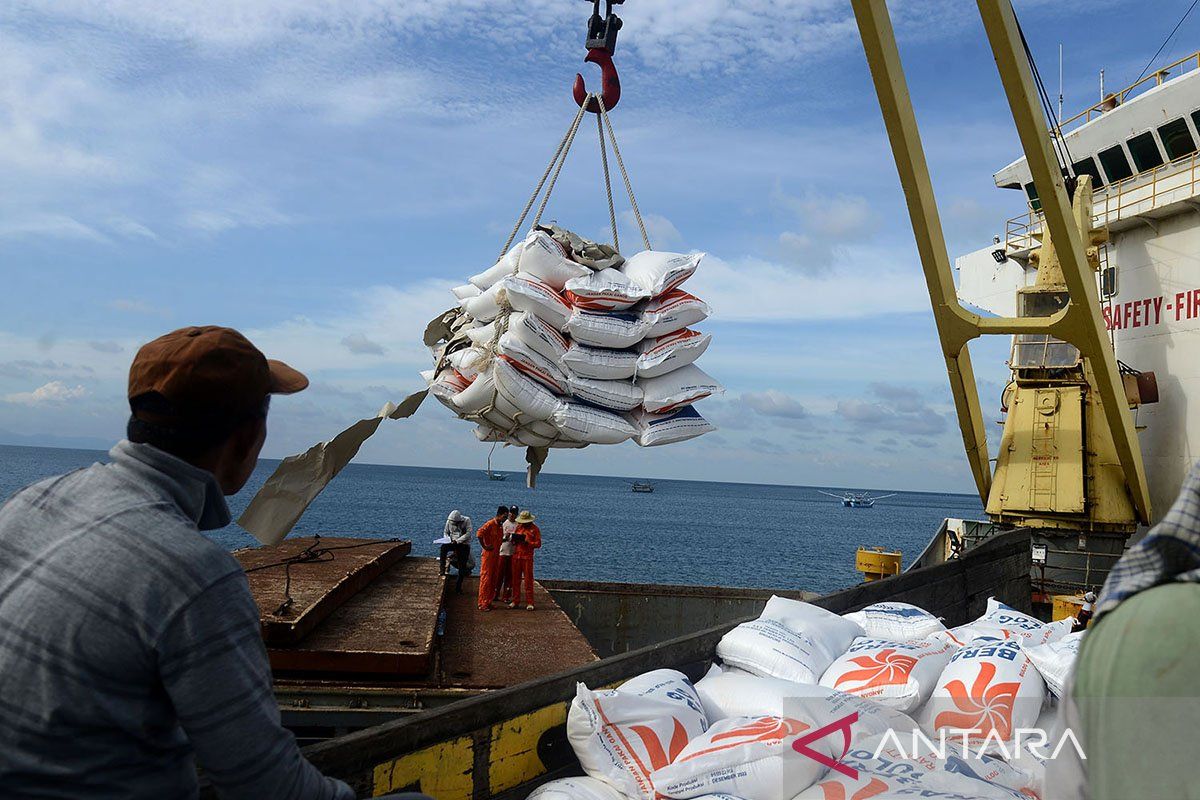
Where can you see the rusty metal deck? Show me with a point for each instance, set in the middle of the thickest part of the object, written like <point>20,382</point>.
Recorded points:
<point>317,587</point>
<point>386,629</point>
<point>490,650</point>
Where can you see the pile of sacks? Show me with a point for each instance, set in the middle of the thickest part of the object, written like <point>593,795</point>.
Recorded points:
<point>565,343</point>
<point>809,705</point>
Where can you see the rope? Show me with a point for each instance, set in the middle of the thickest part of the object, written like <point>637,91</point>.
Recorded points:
<point>612,212</point>
<point>312,554</point>
<point>558,169</point>
<point>1170,36</point>
<point>624,175</point>
<point>564,142</point>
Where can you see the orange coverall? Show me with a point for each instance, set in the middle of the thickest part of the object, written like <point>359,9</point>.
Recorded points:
<point>522,560</point>
<point>489,539</point>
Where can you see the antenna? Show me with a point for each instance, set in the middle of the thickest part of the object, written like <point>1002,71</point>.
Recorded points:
<point>1102,85</point>
<point>1060,81</point>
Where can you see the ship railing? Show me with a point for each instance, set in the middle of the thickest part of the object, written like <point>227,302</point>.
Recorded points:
<point>1109,101</point>
<point>1134,196</point>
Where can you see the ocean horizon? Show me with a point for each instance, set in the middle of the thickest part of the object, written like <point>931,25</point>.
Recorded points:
<point>688,532</point>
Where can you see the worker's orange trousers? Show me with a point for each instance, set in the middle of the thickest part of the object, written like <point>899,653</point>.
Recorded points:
<point>487,578</point>
<point>522,573</point>
<point>504,579</point>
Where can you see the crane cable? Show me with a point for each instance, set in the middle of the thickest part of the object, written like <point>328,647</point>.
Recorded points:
<point>1166,41</point>
<point>554,168</point>
<point>1061,151</point>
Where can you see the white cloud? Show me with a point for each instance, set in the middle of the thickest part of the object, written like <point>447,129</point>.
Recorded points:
<point>52,393</point>
<point>774,403</point>
<point>360,345</point>
<point>753,290</point>
<point>48,226</point>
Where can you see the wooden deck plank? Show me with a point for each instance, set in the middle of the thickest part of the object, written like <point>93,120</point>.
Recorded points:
<point>318,587</point>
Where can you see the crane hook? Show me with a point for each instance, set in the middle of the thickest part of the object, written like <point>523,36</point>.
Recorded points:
<point>609,81</point>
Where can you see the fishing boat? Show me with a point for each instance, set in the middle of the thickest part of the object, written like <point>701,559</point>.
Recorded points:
<point>492,475</point>
<point>642,487</point>
<point>857,499</point>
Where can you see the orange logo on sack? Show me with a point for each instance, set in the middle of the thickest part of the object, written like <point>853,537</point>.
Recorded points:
<point>984,709</point>
<point>763,729</point>
<point>835,791</point>
<point>884,669</point>
<point>659,757</point>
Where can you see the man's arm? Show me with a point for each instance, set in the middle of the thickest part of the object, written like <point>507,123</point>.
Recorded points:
<point>213,665</point>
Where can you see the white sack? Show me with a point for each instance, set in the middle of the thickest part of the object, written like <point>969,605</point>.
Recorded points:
<point>680,387</point>
<point>747,757</point>
<point>548,261</point>
<point>534,400</point>
<point>507,265</point>
<point>582,423</point>
<point>890,772</point>
<point>1055,659</point>
<point>791,639</point>
<point>483,307</point>
<point>678,426</point>
<point>896,622</point>
<point>990,689</point>
<point>658,272</point>
<point>532,364</point>
<point>605,290</point>
<point>616,330</point>
<point>731,692</point>
<point>901,675</point>
<point>600,363</point>
<point>613,395</point>
<point>525,293</point>
<point>1004,622</point>
<point>621,736</point>
<point>483,335</point>
<point>538,335</point>
<point>475,397</point>
<point>665,353</point>
<point>581,788</point>
<point>672,312</point>
<point>468,361</point>
<point>466,290</point>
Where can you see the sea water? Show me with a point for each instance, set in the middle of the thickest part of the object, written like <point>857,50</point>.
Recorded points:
<point>595,528</point>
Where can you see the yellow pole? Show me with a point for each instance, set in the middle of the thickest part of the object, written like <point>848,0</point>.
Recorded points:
<point>879,41</point>
<point>1082,323</point>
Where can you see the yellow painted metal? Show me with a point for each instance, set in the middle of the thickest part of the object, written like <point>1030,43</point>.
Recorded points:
<point>875,563</point>
<point>1041,462</point>
<point>514,758</point>
<point>1065,605</point>
<point>1079,323</point>
<point>443,771</point>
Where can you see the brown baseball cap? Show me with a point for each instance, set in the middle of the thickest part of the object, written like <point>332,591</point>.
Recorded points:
<point>203,372</point>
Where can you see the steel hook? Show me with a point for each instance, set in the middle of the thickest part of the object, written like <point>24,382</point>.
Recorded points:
<point>610,84</point>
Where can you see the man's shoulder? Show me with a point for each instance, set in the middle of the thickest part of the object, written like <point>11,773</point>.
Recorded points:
<point>1152,631</point>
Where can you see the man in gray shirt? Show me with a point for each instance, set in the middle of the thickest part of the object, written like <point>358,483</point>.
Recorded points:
<point>130,649</point>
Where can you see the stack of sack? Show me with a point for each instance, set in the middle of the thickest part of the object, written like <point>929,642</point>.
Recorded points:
<point>805,704</point>
<point>565,343</point>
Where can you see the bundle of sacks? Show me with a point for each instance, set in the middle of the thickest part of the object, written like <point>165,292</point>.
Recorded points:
<point>565,343</point>
<point>810,705</point>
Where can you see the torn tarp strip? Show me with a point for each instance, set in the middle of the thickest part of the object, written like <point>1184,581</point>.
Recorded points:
<point>298,480</point>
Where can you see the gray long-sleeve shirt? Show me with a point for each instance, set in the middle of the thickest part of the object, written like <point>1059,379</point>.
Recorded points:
<point>130,648</point>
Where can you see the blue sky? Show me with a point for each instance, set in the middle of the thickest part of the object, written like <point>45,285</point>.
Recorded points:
<point>318,174</point>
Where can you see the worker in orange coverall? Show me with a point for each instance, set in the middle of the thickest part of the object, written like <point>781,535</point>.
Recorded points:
<point>526,538</point>
<point>490,536</point>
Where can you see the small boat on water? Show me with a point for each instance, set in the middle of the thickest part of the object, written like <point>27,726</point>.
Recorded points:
<point>857,499</point>
<point>642,486</point>
<point>492,475</point>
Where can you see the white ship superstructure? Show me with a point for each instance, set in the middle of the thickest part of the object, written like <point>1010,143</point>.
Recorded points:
<point>1142,148</point>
